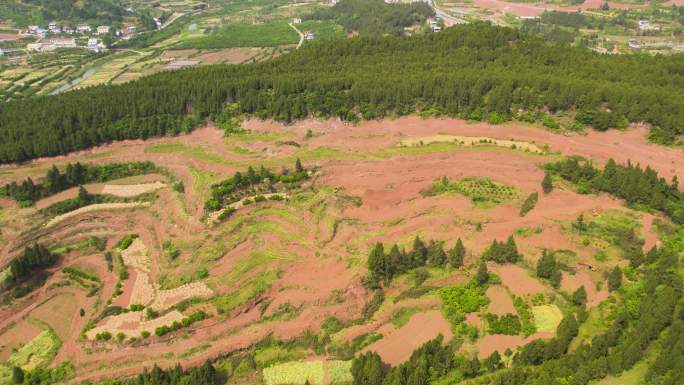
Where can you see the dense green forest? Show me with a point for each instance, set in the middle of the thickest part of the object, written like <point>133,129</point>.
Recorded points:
<point>102,11</point>
<point>632,183</point>
<point>474,71</point>
<point>71,11</point>
<point>375,17</point>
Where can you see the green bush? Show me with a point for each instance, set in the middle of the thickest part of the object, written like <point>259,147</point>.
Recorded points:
<point>461,299</point>
<point>508,324</point>
<point>126,241</point>
<point>529,204</point>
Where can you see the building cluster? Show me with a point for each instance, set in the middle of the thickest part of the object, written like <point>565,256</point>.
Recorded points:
<point>645,25</point>
<point>56,29</point>
<point>53,37</point>
<point>434,24</point>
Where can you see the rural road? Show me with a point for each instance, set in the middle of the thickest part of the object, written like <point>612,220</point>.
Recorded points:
<point>300,33</point>
<point>448,19</point>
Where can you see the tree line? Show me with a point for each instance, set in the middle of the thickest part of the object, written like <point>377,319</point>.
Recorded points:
<point>236,187</point>
<point>629,182</point>
<point>54,181</point>
<point>474,71</point>
<point>35,257</point>
<point>383,266</point>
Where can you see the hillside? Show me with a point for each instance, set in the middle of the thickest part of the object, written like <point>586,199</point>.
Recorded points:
<point>375,17</point>
<point>41,12</point>
<point>476,72</point>
<point>477,206</point>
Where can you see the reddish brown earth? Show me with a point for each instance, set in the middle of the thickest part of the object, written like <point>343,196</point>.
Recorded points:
<point>499,342</point>
<point>570,283</point>
<point>16,335</point>
<point>473,319</point>
<point>518,281</point>
<point>500,302</point>
<point>536,9</point>
<point>397,345</point>
<point>324,265</point>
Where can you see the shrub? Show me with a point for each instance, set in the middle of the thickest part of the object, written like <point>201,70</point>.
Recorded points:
<point>529,204</point>
<point>126,241</point>
<point>508,324</point>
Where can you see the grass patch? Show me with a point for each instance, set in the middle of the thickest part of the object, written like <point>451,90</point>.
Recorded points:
<point>472,141</point>
<point>246,292</point>
<point>526,232</point>
<point>38,352</point>
<point>201,182</point>
<point>546,317</point>
<point>291,373</point>
<point>339,372</point>
<point>275,354</point>
<point>403,315</point>
<point>324,29</point>
<point>195,152</point>
<point>245,35</point>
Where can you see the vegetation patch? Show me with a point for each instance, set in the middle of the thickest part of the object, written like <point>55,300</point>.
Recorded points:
<point>479,190</point>
<point>473,141</point>
<point>295,373</point>
<point>245,35</point>
<point>403,315</point>
<point>546,317</point>
<point>461,299</point>
<point>38,352</point>
<point>339,372</point>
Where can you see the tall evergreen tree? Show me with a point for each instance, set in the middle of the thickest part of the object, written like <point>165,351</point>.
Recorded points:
<point>547,183</point>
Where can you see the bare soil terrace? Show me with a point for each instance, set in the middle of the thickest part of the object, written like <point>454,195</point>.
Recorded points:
<point>309,252</point>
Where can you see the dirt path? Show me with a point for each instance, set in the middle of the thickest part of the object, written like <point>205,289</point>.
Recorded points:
<point>300,33</point>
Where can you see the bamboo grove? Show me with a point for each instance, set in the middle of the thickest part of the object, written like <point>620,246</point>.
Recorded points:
<point>473,71</point>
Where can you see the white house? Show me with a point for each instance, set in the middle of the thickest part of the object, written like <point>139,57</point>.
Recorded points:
<point>102,29</point>
<point>83,28</point>
<point>54,28</point>
<point>645,25</point>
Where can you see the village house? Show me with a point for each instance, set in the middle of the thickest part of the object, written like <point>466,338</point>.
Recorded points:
<point>645,25</point>
<point>83,28</point>
<point>52,44</point>
<point>54,28</point>
<point>309,35</point>
<point>102,29</point>
<point>296,20</point>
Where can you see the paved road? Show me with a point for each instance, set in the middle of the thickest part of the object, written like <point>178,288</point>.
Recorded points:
<point>448,19</point>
